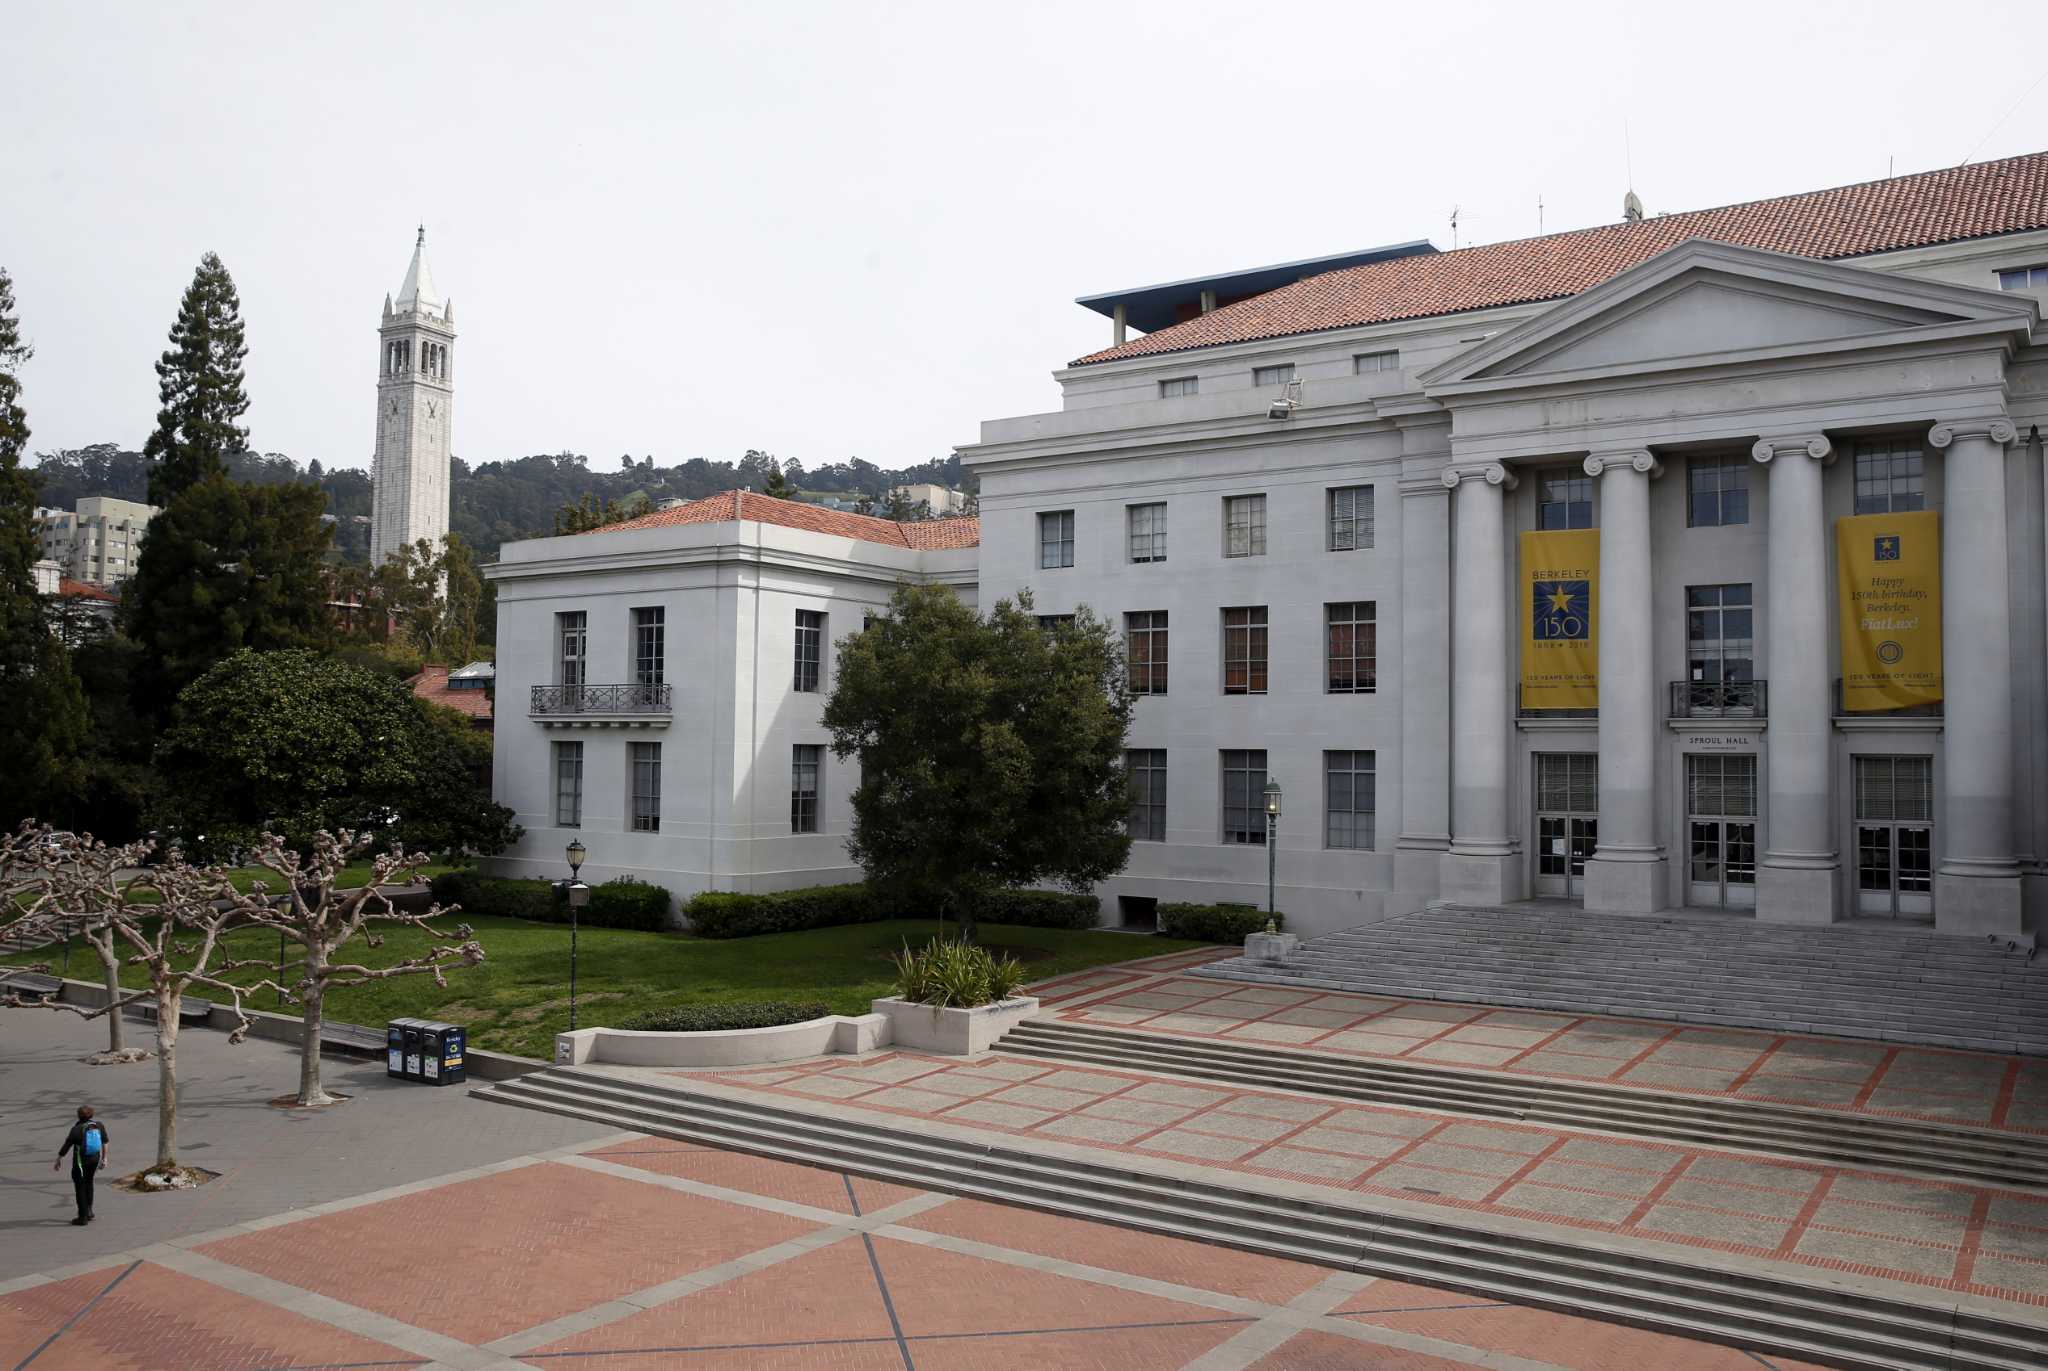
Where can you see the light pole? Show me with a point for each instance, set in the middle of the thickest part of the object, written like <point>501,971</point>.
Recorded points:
<point>577,893</point>
<point>1272,839</point>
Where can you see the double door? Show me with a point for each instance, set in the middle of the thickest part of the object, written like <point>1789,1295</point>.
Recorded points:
<point>1720,824</point>
<point>1567,820</point>
<point>1894,803</point>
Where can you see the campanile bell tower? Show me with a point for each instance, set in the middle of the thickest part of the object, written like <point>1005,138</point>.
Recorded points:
<point>415,401</point>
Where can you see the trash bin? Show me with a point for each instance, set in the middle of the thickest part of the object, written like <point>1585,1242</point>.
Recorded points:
<point>442,1053</point>
<point>415,1034</point>
<point>394,1048</point>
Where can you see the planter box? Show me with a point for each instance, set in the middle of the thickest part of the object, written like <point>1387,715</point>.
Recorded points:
<point>954,1032</point>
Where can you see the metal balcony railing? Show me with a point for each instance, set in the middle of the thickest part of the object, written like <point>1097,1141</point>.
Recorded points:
<point>1718,700</point>
<point>557,701</point>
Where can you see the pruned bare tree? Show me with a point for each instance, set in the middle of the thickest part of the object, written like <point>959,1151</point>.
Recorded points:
<point>35,924</point>
<point>322,919</point>
<point>169,920</point>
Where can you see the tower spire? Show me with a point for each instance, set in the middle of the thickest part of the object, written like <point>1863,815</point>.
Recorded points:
<point>418,292</point>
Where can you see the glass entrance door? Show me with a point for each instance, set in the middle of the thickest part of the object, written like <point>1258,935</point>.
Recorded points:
<point>1720,809</point>
<point>1567,820</point>
<point>1895,837</point>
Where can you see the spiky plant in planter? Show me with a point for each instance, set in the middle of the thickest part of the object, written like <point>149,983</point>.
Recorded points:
<point>956,975</point>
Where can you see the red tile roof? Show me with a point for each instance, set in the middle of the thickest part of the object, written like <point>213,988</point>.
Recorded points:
<point>432,684</point>
<point>85,590</point>
<point>765,509</point>
<point>1975,201</point>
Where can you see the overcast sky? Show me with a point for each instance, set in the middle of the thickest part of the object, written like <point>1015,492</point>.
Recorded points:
<point>857,230</point>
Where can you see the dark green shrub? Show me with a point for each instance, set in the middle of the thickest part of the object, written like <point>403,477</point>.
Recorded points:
<point>729,914</point>
<point>513,899</point>
<point>627,902</point>
<point>453,887</point>
<point>709,1018</point>
<point>1038,909</point>
<point>1214,923</point>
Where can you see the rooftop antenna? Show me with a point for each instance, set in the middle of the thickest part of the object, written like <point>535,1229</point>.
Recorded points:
<point>1454,226</point>
<point>1539,213</point>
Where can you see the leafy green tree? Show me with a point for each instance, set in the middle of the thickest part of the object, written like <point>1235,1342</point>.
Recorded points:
<point>226,567</point>
<point>991,750</point>
<point>199,387</point>
<point>777,485</point>
<point>45,720</point>
<point>294,742</point>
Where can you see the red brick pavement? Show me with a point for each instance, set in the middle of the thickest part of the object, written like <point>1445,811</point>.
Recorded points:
<point>756,1175</point>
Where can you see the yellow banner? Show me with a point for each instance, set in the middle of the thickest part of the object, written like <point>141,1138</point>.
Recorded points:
<point>1560,620</point>
<point>1888,573</point>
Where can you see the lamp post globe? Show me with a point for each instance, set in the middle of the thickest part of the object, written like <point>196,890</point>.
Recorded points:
<point>577,853</point>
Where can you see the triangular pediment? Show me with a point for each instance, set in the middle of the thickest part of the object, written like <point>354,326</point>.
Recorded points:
<point>1705,303</point>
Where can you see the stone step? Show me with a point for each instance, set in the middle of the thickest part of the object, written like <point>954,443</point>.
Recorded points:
<point>1941,1151</point>
<point>1812,1317</point>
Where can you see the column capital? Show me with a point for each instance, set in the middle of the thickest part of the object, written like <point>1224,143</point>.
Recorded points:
<point>1630,459</point>
<point>1996,428</point>
<point>1814,445</point>
<point>1493,473</point>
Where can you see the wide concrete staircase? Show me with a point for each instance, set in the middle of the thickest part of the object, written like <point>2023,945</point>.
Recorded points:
<point>1715,1301</point>
<point>1943,1151</point>
<point>1899,985</point>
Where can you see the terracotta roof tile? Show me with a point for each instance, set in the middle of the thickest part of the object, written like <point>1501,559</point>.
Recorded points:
<point>85,590</point>
<point>1975,201</point>
<point>928,534</point>
<point>432,684</point>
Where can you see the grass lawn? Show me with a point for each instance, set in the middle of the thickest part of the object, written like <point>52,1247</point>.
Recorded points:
<point>518,999</point>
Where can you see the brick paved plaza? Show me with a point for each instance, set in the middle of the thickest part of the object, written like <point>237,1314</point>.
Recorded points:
<point>416,1228</point>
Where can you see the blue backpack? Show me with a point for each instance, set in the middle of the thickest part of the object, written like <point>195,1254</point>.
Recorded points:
<point>91,1144</point>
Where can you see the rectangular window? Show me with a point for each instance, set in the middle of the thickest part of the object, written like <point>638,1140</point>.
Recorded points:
<point>805,760</point>
<point>1353,647</point>
<point>1891,477</point>
<point>1145,651</point>
<point>1179,385</point>
<point>1716,491</point>
<point>1148,793</point>
<point>568,785</point>
<point>1349,799</point>
<point>1147,525</point>
<point>1056,539</point>
<point>1370,363</point>
<point>1350,518</point>
<point>1720,635</point>
<point>572,641</point>
<point>1273,376</point>
<point>1244,526</point>
<point>645,760</point>
<point>1244,651</point>
<point>810,648</point>
<point>2024,278</point>
<point>650,634</point>
<point>1564,498</point>
<point>1053,622</point>
<point>1244,798</point>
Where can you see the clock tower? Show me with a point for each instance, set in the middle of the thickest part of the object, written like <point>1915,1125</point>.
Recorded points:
<point>415,394</point>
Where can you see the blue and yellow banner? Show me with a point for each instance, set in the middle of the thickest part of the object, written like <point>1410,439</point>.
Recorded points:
<point>1888,577</point>
<point>1560,620</point>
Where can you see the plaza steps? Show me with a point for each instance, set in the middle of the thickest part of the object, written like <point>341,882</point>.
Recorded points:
<point>1717,1303</point>
<point>1852,981</point>
<point>1942,1151</point>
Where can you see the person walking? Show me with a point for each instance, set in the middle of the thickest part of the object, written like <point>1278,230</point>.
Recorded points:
<point>87,1144</point>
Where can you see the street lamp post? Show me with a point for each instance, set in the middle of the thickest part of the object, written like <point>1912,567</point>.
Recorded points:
<point>1272,839</point>
<point>578,893</point>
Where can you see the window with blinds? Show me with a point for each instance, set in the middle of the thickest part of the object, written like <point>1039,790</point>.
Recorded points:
<point>1145,650</point>
<point>1349,799</point>
<point>1244,797</point>
<point>1244,651</point>
<point>1720,787</point>
<point>1568,782</point>
<point>1148,793</point>
<point>1147,525</point>
<point>1895,790</point>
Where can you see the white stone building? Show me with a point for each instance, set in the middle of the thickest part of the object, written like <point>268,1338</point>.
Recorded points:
<point>99,542</point>
<point>415,399</point>
<point>1303,491</point>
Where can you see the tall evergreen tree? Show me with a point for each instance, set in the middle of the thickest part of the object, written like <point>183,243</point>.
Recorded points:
<point>199,387</point>
<point>44,725</point>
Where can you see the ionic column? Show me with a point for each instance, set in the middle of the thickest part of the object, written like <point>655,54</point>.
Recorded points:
<point>1798,880</point>
<point>1977,885</point>
<point>1482,865</point>
<point>1425,614</point>
<point>1627,871</point>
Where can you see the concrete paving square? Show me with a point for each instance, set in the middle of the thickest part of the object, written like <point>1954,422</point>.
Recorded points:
<point>1094,1130</point>
<point>999,1114</point>
<point>1180,1142</point>
<point>1741,1229</point>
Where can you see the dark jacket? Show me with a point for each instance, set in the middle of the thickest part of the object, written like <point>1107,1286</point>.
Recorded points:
<point>75,1140</point>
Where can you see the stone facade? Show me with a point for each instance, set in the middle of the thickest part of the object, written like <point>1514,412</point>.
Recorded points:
<point>415,402</point>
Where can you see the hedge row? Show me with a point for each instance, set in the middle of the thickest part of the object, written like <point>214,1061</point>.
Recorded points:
<point>712,1018</point>
<point>729,914</point>
<point>1214,923</point>
<point>621,903</point>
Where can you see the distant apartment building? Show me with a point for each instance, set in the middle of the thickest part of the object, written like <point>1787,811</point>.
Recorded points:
<point>941,500</point>
<point>97,543</point>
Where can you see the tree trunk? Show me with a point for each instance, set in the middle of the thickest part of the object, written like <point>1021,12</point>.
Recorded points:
<point>314,996</point>
<point>113,970</point>
<point>168,1003</point>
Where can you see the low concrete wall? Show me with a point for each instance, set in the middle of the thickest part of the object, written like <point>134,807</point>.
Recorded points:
<point>788,1042</point>
<point>954,1032</point>
<point>288,1028</point>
